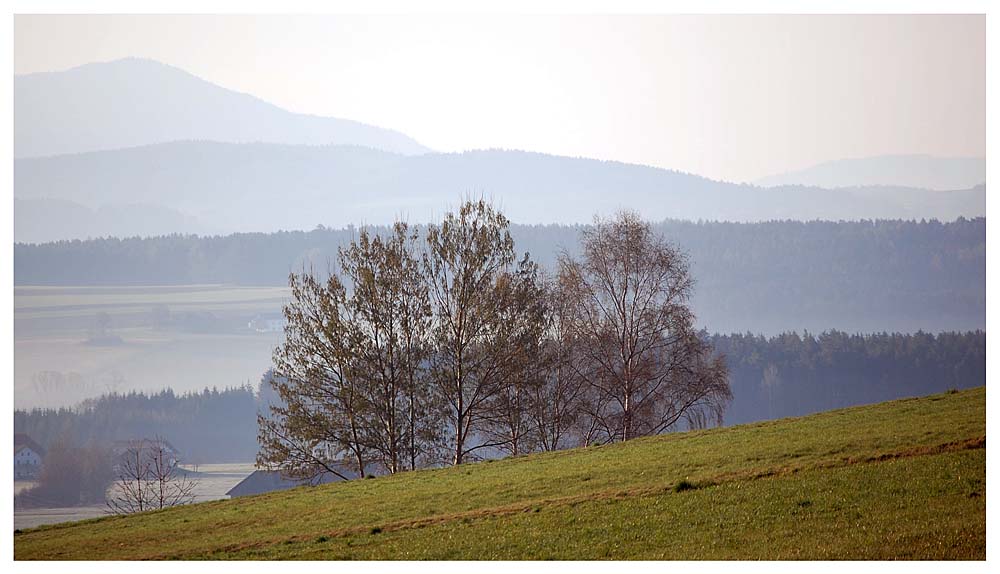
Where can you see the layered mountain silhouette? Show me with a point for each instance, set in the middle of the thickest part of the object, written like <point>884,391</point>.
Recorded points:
<point>134,102</point>
<point>136,147</point>
<point>266,187</point>
<point>923,171</point>
<point>43,220</point>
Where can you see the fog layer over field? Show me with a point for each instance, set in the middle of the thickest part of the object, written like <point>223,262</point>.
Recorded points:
<point>184,338</point>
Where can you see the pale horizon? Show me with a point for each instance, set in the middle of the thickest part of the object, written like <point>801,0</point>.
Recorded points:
<point>650,90</point>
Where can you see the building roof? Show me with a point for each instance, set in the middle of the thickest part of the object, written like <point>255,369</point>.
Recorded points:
<point>127,444</point>
<point>261,481</point>
<point>20,447</point>
<point>22,440</point>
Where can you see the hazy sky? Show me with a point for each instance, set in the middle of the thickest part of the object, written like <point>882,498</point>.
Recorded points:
<point>729,97</point>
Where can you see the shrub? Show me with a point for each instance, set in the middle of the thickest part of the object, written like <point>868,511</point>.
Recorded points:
<point>70,476</point>
<point>684,485</point>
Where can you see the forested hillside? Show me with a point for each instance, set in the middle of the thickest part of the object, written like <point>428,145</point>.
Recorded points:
<point>207,426</point>
<point>771,377</point>
<point>867,276</point>
<point>793,374</point>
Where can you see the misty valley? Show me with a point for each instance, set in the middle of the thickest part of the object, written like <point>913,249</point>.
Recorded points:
<point>106,350</point>
<point>520,287</point>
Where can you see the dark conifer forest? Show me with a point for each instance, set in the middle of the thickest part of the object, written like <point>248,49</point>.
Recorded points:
<point>786,375</point>
<point>857,276</point>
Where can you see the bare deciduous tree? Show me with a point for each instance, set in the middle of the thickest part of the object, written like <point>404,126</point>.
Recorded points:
<point>470,349</point>
<point>147,478</point>
<point>351,374</point>
<point>469,267</point>
<point>646,366</point>
<point>558,391</point>
<point>318,419</point>
<point>390,312</point>
<point>517,339</point>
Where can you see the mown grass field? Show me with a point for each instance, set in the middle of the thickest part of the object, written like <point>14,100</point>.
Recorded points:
<point>904,479</point>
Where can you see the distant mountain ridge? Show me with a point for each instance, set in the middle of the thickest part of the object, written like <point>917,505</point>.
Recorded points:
<point>134,102</point>
<point>41,220</point>
<point>136,146</point>
<point>921,171</point>
<point>267,187</point>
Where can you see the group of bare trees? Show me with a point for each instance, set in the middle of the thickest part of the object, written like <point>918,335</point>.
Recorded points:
<point>138,476</point>
<point>445,346</point>
<point>146,477</point>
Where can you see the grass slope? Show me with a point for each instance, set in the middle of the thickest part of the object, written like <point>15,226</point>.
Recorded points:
<point>903,479</point>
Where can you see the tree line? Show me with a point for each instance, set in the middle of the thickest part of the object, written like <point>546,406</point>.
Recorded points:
<point>211,425</point>
<point>764,277</point>
<point>419,351</point>
<point>794,374</point>
<point>790,374</point>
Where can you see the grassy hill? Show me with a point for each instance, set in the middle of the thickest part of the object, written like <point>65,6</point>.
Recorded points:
<point>903,479</point>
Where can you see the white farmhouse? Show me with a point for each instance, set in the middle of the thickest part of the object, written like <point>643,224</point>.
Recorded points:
<point>28,456</point>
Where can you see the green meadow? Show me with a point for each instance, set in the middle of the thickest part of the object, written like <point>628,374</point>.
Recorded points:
<point>899,480</point>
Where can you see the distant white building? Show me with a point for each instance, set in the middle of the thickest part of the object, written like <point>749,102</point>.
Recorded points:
<point>28,456</point>
<point>148,448</point>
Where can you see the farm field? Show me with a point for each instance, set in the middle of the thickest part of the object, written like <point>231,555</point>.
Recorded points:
<point>903,479</point>
<point>160,334</point>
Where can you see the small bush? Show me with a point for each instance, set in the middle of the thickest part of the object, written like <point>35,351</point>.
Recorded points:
<point>804,503</point>
<point>322,539</point>
<point>684,485</point>
<point>376,530</point>
<point>70,476</point>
